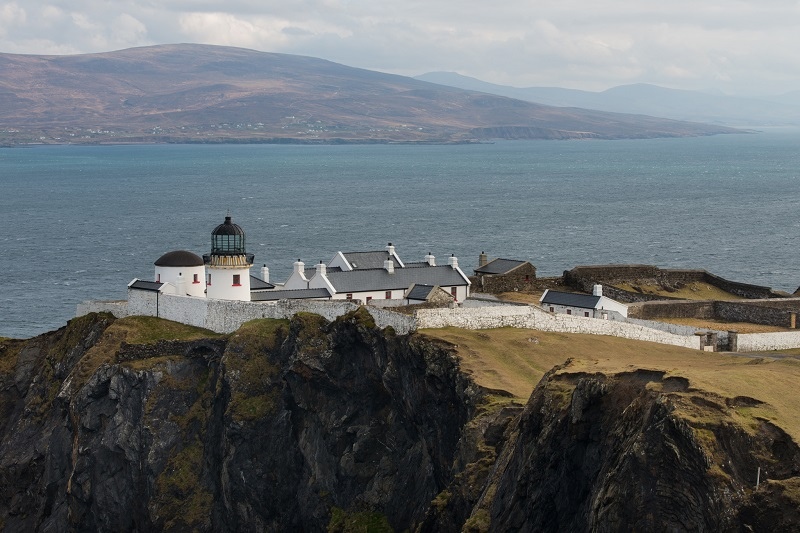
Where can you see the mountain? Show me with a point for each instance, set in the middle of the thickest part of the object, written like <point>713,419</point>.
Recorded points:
<point>648,100</point>
<point>140,424</point>
<point>200,93</point>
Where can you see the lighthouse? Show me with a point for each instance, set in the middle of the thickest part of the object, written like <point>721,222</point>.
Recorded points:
<point>228,264</point>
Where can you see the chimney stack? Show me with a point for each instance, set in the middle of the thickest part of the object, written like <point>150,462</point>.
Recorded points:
<point>597,290</point>
<point>299,267</point>
<point>430,259</point>
<point>265,273</point>
<point>482,259</point>
<point>390,249</point>
<point>453,261</point>
<point>322,268</point>
<point>389,265</point>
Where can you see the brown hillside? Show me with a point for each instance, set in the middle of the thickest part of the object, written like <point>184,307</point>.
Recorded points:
<point>210,93</point>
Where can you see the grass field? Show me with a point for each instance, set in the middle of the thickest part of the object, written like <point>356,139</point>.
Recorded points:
<point>515,360</point>
<point>695,290</point>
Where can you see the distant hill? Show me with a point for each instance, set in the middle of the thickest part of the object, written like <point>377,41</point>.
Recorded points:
<point>648,100</point>
<point>201,93</point>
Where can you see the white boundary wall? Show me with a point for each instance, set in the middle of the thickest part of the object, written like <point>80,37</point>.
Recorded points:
<point>225,316</point>
<point>762,342</point>
<point>533,318</point>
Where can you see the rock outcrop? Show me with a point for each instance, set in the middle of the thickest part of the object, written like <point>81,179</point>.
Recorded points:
<point>140,425</point>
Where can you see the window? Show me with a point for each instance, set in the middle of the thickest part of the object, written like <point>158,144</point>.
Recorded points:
<point>158,278</point>
<point>369,298</point>
<point>586,313</point>
<point>349,295</point>
<point>527,277</point>
<point>454,292</point>
<point>208,282</point>
<point>388,295</point>
<point>552,309</point>
<point>196,278</point>
<point>569,311</point>
<point>237,280</point>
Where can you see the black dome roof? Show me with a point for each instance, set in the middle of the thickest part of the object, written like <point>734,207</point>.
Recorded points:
<point>228,228</point>
<point>179,258</point>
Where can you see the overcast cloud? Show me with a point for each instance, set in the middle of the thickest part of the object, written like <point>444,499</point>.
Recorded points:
<point>737,46</point>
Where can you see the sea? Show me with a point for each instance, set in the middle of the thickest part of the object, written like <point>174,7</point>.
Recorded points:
<point>80,222</point>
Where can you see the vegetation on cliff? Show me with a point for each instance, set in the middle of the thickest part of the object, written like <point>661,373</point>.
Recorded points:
<point>143,424</point>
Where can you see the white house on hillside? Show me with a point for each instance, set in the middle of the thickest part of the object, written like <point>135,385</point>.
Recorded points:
<point>593,305</point>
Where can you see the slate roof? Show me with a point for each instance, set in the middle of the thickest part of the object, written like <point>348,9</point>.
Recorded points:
<point>271,296</point>
<point>571,299</point>
<point>420,292</point>
<point>499,266</point>
<point>258,284</point>
<point>146,285</point>
<point>366,260</point>
<point>378,279</point>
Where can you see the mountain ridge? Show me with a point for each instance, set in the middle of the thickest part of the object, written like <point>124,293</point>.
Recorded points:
<point>647,99</point>
<point>206,93</point>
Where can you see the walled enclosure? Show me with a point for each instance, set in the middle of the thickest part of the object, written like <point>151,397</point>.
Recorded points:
<point>585,277</point>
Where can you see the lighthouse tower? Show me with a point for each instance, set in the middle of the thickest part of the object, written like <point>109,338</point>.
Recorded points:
<point>228,264</point>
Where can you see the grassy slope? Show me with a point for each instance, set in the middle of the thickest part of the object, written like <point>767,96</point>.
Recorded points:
<point>515,360</point>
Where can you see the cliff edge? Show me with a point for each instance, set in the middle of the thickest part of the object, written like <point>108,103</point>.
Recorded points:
<point>140,424</point>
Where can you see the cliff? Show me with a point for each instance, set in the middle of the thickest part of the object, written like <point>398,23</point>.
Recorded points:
<point>140,424</point>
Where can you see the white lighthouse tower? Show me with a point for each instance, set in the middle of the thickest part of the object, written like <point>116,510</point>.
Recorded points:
<point>228,264</point>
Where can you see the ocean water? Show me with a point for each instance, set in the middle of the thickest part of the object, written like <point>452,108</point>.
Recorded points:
<point>80,222</point>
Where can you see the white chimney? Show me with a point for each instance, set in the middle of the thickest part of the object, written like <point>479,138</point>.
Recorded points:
<point>597,290</point>
<point>265,273</point>
<point>452,261</point>
<point>390,249</point>
<point>322,268</point>
<point>180,285</point>
<point>389,265</point>
<point>430,259</point>
<point>299,267</point>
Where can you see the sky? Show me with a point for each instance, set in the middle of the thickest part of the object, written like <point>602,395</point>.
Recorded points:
<point>737,47</point>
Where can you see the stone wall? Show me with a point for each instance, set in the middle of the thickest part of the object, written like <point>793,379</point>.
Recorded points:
<point>772,312</point>
<point>535,318</point>
<point>672,309</point>
<point>225,316</point>
<point>584,277</point>
<point>761,342</point>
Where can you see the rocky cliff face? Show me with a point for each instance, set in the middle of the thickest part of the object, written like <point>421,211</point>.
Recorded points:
<point>141,425</point>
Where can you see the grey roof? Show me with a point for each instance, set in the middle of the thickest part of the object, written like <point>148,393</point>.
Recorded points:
<point>179,258</point>
<point>378,279</point>
<point>269,296</point>
<point>499,266</point>
<point>420,292</point>
<point>258,284</point>
<point>366,260</point>
<point>571,299</point>
<point>146,285</point>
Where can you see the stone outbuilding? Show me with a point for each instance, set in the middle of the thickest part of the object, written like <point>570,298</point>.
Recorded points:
<point>504,275</point>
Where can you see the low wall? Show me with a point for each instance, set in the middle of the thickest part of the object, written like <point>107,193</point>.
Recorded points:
<point>226,316</point>
<point>584,277</point>
<point>672,309</point>
<point>754,314</point>
<point>534,318</point>
<point>762,342</point>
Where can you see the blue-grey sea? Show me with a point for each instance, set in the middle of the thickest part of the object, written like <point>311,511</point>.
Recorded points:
<point>80,222</point>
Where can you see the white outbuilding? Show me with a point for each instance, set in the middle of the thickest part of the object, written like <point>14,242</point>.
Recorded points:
<point>182,269</point>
